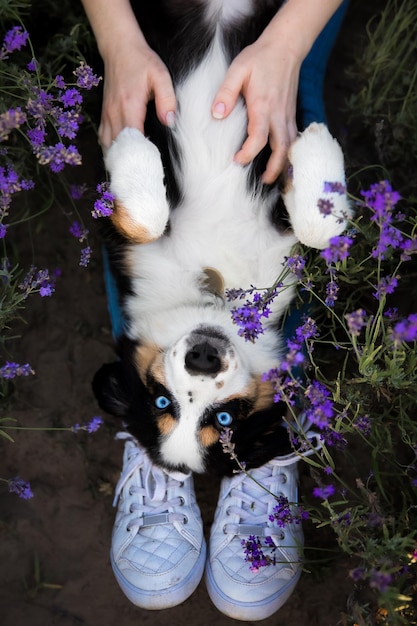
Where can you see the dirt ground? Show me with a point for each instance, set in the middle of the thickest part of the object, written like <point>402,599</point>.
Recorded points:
<point>54,548</point>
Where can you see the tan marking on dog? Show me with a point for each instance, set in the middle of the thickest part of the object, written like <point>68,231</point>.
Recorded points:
<point>149,359</point>
<point>264,395</point>
<point>166,424</point>
<point>126,225</point>
<point>209,436</point>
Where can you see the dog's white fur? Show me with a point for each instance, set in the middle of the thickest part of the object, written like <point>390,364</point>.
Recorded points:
<point>217,224</point>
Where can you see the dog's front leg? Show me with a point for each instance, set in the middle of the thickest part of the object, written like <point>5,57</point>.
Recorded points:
<point>137,183</point>
<point>315,196</point>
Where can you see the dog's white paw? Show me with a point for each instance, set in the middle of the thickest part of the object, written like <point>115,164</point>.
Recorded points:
<point>316,197</point>
<point>137,182</point>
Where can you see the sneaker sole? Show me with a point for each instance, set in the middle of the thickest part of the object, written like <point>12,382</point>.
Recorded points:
<point>162,598</point>
<point>248,611</point>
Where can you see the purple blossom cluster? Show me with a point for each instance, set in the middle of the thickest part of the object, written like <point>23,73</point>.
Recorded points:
<point>249,317</point>
<point>48,117</point>
<point>91,427</point>
<point>254,552</point>
<point>405,330</point>
<point>20,487</point>
<point>15,39</point>
<point>356,321</point>
<point>38,281</point>
<point>285,513</point>
<point>11,370</point>
<point>104,205</point>
<point>319,408</point>
<point>338,249</point>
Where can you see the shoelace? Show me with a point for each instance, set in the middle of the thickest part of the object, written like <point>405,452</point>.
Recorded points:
<point>254,499</point>
<point>151,503</point>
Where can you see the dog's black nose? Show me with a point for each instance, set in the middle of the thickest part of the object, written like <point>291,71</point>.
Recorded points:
<point>203,358</point>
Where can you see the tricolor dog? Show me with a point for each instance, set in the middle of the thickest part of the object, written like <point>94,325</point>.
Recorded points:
<point>191,224</point>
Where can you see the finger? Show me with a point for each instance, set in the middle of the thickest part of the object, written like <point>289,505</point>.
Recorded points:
<point>165,100</point>
<point>258,131</point>
<point>280,141</point>
<point>228,94</point>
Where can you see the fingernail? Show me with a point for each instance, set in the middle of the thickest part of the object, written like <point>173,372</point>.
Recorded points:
<point>170,119</point>
<point>219,110</point>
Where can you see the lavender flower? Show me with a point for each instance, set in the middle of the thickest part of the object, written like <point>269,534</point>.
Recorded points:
<point>385,286</point>
<point>356,321</point>
<point>78,231</point>
<point>324,492</point>
<point>380,580</point>
<point>86,79</point>
<point>332,289</point>
<point>337,250</point>
<point>295,264</point>
<point>91,427</point>
<point>104,205</point>
<point>15,39</point>
<point>11,370</point>
<point>405,330</point>
<point>335,187</point>
<point>284,513</point>
<point>254,553</point>
<point>20,487</point>
<point>85,256</point>
<point>9,120</point>
<point>319,409</point>
<point>325,206</point>
<point>248,318</point>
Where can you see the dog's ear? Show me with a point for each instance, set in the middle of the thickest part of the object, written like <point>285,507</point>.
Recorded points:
<point>109,386</point>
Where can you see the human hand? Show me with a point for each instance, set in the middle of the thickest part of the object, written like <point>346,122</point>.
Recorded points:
<point>134,74</point>
<point>266,74</point>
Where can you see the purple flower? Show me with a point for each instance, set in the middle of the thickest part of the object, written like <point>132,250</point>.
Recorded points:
<point>363,424</point>
<point>3,229</point>
<point>319,409</point>
<point>71,97</point>
<point>78,231</point>
<point>337,250</point>
<point>36,136</point>
<point>104,205</point>
<point>335,187</point>
<point>11,370</point>
<point>94,424</point>
<point>85,256</point>
<point>248,318</point>
<point>77,191</point>
<point>254,553</point>
<point>356,321</point>
<point>386,285</point>
<point>20,487</point>
<point>324,492</point>
<point>32,65</point>
<point>91,427</point>
<point>295,264</point>
<point>380,580</point>
<point>15,39</point>
<point>332,289</point>
<point>86,79</point>
<point>405,330</point>
<point>325,206</point>
<point>308,330</point>
<point>9,120</point>
<point>284,513</point>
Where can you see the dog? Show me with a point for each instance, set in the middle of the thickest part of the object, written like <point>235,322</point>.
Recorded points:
<point>190,225</point>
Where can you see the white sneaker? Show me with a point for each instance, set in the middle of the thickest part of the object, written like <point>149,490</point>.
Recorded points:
<point>158,550</point>
<point>243,510</point>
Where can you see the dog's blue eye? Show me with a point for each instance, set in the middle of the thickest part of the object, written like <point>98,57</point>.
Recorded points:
<point>161,402</point>
<point>224,418</point>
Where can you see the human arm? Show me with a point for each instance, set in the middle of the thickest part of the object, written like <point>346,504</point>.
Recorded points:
<point>266,73</point>
<point>133,72</point>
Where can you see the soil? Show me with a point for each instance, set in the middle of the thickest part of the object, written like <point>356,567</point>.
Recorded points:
<point>54,548</point>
